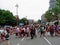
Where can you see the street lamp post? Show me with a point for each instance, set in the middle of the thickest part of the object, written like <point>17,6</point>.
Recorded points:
<point>17,9</point>
<point>17,18</point>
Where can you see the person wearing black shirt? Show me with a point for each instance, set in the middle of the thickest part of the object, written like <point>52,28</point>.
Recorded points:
<point>32,33</point>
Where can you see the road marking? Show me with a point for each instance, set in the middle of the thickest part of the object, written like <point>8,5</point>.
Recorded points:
<point>22,39</point>
<point>47,41</point>
<point>18,44</point>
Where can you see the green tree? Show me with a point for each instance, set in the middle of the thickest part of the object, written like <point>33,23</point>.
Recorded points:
<point>48,16</point>
<point>7,18</point>
<point>55,10</point>
<point>24,20</point>
<point>39,21</point>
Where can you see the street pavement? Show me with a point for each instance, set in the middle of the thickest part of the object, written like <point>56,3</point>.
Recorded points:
<point>36,41</point>
<point>54,40</point>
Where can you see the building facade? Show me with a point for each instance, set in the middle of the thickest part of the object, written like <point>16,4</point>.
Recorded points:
<point>53,3</point>
<point>43,19</point>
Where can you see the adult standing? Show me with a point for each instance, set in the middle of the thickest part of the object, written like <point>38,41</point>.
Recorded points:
<point>41,30</point>
<point>32,33</point>
<point>51,30</point>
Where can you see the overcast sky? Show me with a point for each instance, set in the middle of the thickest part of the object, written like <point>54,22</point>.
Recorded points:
<point>33,9</point>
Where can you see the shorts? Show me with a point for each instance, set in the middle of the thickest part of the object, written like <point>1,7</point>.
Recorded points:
<point>22,32</point>
<point>42,32</point>
<point>16,34</point>
<point>7,39</point>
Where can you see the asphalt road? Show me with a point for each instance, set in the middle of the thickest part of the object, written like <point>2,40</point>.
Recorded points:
<point>54,40</point>
<point>36,41</point>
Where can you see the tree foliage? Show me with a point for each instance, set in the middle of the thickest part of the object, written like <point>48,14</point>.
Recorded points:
<point>55,10</point>
<point>48,16</point>
<point>39,21</point>
<point>7,18</point>
<point>24,20</point>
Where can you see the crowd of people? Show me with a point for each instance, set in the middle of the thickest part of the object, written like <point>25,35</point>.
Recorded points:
<point>32,30</point>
